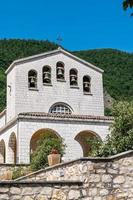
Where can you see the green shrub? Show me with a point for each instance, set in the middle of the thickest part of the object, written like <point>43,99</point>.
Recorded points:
<point>121,137</point>
<point>108,112</point>
<point>45,145</point>
<point>20,171</point>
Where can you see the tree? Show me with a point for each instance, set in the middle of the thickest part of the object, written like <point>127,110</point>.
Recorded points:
<point>47,142</point>
<point>128,4</point>
<point>121,137</point>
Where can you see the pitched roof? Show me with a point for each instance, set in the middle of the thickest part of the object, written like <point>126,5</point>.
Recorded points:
<point>42,55</point>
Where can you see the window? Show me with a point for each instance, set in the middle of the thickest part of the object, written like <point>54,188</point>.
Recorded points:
<point>86,84</point>
<point>60,71</point>
<point>73,77</point>
<point>61,108</point>
<point>32,79</point>
<point>46,75</point>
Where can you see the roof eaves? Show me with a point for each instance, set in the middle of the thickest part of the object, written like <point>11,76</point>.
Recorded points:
<point>65,117</point>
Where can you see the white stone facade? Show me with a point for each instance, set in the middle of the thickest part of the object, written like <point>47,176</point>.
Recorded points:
<point>27,108</point>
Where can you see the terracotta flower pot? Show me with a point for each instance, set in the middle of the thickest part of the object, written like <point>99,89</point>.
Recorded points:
<point>54,159</point>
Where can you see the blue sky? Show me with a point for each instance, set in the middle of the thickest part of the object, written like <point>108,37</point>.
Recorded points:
<point>83,24</point>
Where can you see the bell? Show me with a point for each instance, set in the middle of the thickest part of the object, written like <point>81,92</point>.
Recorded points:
<point>46,76</point>
<point>32,79</point>
<point>86,85</point>
<point>60,73</point>
<point>73,78</point>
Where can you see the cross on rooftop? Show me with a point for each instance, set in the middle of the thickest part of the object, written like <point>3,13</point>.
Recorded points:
<point>59,40</point>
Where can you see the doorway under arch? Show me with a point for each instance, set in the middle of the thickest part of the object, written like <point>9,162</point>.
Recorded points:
<point>2,151</point>
<point>40,134</point>
<point>82,137</point>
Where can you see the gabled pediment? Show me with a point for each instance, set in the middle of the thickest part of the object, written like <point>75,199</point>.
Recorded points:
<point>50,53</point>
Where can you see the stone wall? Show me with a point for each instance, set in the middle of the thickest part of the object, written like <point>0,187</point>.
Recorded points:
<point>103,179</point>
<point>41,190</point>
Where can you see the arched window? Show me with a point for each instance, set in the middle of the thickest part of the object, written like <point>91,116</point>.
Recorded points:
<point>87,84</point>
<point>32,79</point>
<point>60,108</point>
<point>60,71</point>
<point>47,75</point>
<point>73,77</point>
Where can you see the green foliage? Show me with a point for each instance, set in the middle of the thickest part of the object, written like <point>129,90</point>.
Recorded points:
<point>118,66</point>
<point>11,50</point>
<point>128,4</point>
<point>95,145</point>
<point>20,171</point>
<point>46,143</point>
<point>108,112</point>
<point>121,138</point>
<point>118,71</point>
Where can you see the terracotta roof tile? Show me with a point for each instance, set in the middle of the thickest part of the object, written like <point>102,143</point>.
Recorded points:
<point>51,115</point>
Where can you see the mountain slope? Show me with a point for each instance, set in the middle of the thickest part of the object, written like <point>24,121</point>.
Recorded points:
<point>118,70</point>
<point>118,65</point>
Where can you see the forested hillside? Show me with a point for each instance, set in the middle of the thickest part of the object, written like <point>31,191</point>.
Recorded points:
<point>118,66</point>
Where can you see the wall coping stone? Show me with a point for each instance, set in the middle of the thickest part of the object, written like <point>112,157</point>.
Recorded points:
<point>44,183</point>
<point>13,165</point>
<point>92,159</point>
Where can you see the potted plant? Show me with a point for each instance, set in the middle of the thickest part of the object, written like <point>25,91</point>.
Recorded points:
<point>54,157</point>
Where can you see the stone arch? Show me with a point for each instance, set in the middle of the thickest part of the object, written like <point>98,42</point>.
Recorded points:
<point>87,84</point>
<point>2,151</point>
<point>46,71</point>
<point>12,148</point>
<point>38,134</point>
<point>60,70</point>
<point>32,78</point>
<point>73,77</point>
<point>81,139</point>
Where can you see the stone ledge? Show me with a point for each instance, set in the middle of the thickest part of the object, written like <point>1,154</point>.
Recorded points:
<point>13,165</point>
<point>34,183</point>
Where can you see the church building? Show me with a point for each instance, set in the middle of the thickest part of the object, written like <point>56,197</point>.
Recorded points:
<point>54,91</point>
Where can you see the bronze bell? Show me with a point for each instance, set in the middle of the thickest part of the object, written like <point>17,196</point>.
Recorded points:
<point>86,85</point>
<point>60,73</point>
<point>46,76</point>
<point>73,78</point>
<point>32,79</point>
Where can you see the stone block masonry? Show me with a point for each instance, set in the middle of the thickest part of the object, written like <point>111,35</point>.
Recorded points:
<point>54,190</point>
<point>103,178</point>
